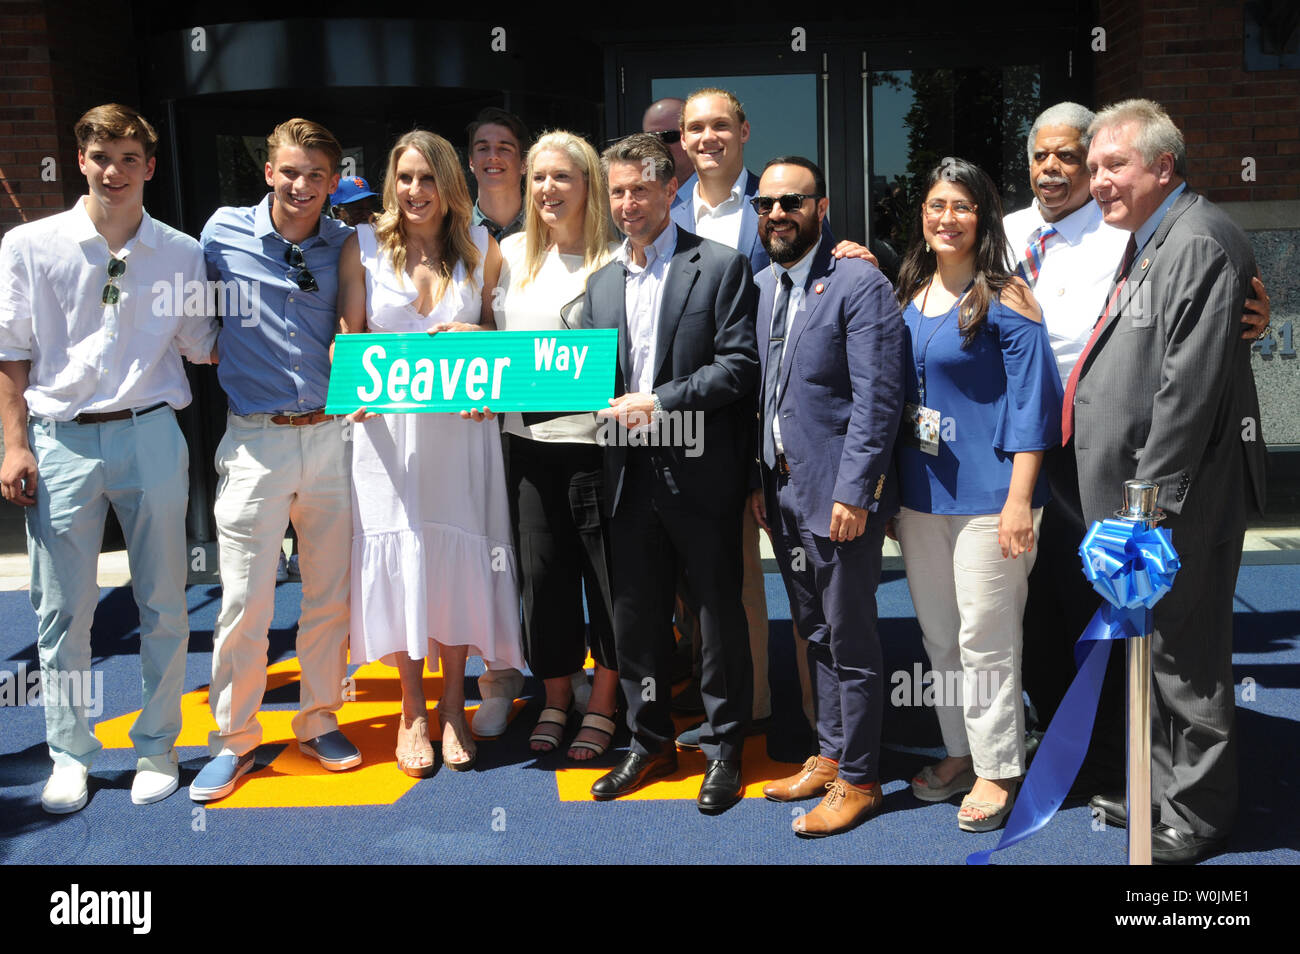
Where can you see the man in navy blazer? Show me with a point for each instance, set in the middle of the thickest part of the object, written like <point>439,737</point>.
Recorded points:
<point>830,343</point>
<point>678,445</point>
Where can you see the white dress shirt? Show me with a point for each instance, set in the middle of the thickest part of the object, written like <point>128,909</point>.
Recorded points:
<point>87,356</point>
<point>643,298</point>
<point>798,305</point>
<point>721,222</point>
<point>1079,262</point>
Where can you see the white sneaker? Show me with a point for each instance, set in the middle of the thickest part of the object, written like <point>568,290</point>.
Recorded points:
<point>281,569</point>
<point>156,777</point>
<point>498,689</point>
<point>66,791</point>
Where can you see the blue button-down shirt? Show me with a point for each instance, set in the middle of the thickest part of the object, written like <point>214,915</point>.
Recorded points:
<point>275,338</point>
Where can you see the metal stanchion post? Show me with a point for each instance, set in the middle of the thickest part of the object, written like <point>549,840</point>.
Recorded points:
<point>1139,507</point>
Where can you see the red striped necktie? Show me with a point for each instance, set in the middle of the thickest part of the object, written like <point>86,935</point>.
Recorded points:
<point>1121,276</point>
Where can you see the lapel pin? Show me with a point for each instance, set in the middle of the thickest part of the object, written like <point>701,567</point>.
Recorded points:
<point>1145,263</point>
<point>819,287</point>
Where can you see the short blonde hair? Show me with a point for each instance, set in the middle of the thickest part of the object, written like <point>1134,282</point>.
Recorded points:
<point>1156,132</point>
<point>726,94</point>
<point>306,135</point>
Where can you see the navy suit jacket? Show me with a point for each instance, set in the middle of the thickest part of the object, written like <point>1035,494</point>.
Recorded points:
<point>840,388</point>
<point>706,362</point>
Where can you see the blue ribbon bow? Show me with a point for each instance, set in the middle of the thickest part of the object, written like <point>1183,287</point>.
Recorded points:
<point>1132,567</point>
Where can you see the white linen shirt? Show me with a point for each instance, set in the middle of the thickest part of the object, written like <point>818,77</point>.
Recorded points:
<point>797,306</point>
<point>643,299</point>
<point>721,222</point>
<point>1079,263</point>
<point>87,356</point>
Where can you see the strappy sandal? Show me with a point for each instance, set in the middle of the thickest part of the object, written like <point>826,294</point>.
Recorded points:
<point>550,728</point>
<point>414,750</point>
<point>995,816</point>
<point>458,756</point>
<point>603,724</point>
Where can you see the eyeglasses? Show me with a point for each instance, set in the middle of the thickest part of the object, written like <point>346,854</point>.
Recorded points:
<point>304,279</point>
<point>668,136</point>
<point>963,210</point>
<point>789,202</point>
<point>111,294</point>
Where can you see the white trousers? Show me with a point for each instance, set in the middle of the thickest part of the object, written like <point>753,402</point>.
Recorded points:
<point>271,474</point>
<point>970,602</point>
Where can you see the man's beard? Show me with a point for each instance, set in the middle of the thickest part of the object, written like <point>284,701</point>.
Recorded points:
<point>783,252</point>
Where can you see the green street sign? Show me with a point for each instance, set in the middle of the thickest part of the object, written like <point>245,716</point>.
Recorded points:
<point>456,370</point>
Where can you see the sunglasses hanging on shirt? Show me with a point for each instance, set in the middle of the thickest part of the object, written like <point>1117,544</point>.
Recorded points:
<point>303,279</point>
<point>111,294</point>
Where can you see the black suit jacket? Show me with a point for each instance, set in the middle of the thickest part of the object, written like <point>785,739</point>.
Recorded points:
<point>706,364</point>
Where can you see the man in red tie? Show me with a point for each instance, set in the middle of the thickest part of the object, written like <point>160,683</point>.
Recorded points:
<point>1163,391</point>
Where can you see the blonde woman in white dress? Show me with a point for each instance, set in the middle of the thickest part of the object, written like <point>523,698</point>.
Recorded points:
<point>433,563</point>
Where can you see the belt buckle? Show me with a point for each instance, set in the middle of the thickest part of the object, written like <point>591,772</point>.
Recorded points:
<point>782,468</point>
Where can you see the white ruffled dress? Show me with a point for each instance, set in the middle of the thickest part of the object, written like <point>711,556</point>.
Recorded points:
<point>432,552</point>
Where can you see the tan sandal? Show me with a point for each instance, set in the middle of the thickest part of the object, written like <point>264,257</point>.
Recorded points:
<point>456,755</point>
<point>995,815</point>
<point>414,750</point>
<point>549,730</point>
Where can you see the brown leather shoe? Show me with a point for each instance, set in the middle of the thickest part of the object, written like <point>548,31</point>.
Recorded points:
<point>845,806</point>
<point>809,782</point>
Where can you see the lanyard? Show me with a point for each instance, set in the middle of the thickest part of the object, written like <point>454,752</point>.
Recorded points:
<point>919,360</point>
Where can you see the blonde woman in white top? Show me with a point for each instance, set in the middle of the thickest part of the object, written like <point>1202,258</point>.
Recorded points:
<point>553,467</point>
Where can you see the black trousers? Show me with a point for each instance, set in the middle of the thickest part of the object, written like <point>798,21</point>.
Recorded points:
<point>1061,602</point>
<point>556,505</point>
<point>654,533</point>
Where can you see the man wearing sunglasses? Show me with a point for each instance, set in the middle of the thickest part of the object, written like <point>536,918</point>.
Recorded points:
<point>830,342</point>
<point>662,118</point>
<point>92,329</point>
<point>282,456</point>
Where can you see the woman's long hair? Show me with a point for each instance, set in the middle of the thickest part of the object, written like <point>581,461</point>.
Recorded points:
<point>991,269</point>
<point>595,221</point>
<point>453,193</point>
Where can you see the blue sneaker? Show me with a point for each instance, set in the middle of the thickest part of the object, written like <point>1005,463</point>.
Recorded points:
<point>217,779</point>
<point>333,750</point>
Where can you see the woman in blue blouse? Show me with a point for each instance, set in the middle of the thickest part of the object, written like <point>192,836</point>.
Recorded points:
<point>983,403</point>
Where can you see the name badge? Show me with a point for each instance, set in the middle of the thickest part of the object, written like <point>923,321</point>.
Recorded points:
<point>921,428</point>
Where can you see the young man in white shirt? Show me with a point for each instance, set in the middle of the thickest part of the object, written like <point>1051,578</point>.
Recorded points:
<point>98,304</point>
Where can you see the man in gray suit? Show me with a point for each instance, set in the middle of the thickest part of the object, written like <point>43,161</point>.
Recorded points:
<point>1163,391</point>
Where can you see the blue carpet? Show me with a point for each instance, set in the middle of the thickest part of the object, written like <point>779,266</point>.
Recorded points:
<point>508,809</point>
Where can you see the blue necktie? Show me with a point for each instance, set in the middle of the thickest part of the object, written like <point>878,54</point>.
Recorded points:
<point>775,348</point>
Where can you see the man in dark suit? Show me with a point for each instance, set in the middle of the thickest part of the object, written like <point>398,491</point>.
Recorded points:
<point>688,367</point>
<point>830,340</point>
<point>1163,391</point>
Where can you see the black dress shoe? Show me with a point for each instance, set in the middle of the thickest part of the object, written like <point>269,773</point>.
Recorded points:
<point>1114,808</point>
<point>1169,846</point>
<point>634,771</point>
<point>721,788</point>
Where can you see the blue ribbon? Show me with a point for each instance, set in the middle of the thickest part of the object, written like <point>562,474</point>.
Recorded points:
<point>1132,567</point>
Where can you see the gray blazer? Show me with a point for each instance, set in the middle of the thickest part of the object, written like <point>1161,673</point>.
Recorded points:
<point>1167,393</point>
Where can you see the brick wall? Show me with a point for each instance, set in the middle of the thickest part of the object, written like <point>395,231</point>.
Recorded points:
<point>57,59</point>
<point>1188,56</point>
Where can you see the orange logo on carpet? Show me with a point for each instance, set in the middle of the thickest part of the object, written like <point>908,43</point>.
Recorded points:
<point>370,722</point>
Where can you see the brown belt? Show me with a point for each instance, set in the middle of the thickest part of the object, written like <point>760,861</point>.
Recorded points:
<point>117,415</point>
<point>782,468</point>
<point>301,420</point>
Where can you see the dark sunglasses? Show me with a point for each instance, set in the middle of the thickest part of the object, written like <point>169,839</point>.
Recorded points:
<point>111,294</point>
<point>304,279</point>
<point>789,202</point>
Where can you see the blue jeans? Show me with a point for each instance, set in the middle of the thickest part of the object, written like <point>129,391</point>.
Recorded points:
<point>141,466</point>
